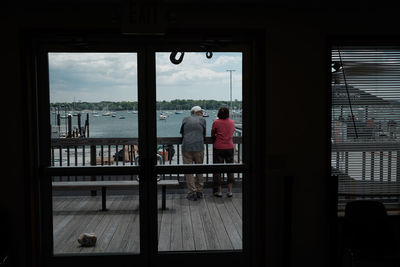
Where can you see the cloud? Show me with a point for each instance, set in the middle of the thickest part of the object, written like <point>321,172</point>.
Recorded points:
<point>95,77</point>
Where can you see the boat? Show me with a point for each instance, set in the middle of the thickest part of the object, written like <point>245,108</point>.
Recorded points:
<point>205,114</point>
<point>65,116</point>
<point>121,117</point>
<point>178,112</point>
<point>163,117</point>
<point>133,111</point>
<point>106,112</point>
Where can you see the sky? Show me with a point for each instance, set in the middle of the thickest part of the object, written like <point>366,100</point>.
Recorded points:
<point>95,77</point>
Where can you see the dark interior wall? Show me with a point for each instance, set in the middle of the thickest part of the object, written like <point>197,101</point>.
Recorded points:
<point>295,106</point>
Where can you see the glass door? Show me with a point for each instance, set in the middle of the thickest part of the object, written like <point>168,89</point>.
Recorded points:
<point>199,124</point>
<point>93,107</point>
<point>142,157</point>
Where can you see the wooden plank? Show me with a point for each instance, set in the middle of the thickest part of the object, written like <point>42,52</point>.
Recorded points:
<point>105,236</point>
<point>62,203</point>
<point>221,234</point>
<point>122,221</point>
<point>96,219</point>
<point>197,224</point>
<point>237,203</point>
<point>64,218</point>
<point>102,227</point>
<point>69,234</point>
<point>159,216</point>
<point>108,184</point>
<point>164,238</point>
<point>234,215</point>
<point>209,230</point>
<point>132,231</point>
<point>72,245</point>
<point>59,202</point>
<point>207,224</point>
<point>64,142</point>
<point>228,224</point>
<point>176,233</point>
<point>187,229</point>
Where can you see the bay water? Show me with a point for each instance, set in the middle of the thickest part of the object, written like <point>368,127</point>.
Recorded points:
<point>116,127</point>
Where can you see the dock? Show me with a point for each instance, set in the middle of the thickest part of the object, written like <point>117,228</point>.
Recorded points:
<point>206,224</point>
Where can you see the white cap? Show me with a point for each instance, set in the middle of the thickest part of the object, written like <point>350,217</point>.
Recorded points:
<point>196,109</point>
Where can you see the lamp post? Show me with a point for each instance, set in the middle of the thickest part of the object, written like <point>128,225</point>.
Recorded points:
<point>230,76</point>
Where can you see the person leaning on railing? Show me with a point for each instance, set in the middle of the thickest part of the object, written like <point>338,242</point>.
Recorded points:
<point>222,133</point>
<point>193,131</point>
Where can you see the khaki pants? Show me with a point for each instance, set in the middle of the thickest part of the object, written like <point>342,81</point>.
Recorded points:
<point>196,157</point>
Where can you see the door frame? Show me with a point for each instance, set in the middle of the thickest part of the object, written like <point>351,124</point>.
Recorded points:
<point>39,208</point>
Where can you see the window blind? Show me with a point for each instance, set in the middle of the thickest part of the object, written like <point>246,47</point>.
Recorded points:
<point>365,123</point>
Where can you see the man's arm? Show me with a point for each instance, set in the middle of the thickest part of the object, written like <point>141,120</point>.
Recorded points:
<point>182,131</point>
<point>204,128</point>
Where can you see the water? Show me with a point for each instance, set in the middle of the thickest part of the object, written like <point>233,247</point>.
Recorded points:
<point>114,127</point>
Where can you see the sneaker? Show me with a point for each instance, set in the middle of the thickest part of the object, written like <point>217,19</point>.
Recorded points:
<point>218,194</point>
<point>199,194</point>
<point>229,194</point>
<point>192,197</point>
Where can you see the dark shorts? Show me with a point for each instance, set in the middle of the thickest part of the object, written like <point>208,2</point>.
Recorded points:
<point>222,156</point>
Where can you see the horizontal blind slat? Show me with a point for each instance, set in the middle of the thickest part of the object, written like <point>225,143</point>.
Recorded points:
<point>365,122</point>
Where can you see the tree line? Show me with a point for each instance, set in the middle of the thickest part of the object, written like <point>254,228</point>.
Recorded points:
<point>177,104</point>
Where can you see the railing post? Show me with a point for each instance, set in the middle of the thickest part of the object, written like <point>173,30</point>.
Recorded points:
<point>398,166</point>
<point>69,126</point>
<point>87,124</point>
<point>363,164</point>
<point>93,163</point>
<point>372,165</point>
<point>337,161</point>
<point>389,166</point>
<point>79,124</point>
<point>381,166</point>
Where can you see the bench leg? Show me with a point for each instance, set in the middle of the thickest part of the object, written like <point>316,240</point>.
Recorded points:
<point>164,197</point>
<point>103,198</point>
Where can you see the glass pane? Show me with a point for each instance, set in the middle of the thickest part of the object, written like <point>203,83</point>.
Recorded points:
<point>365,115</point>
<point>94,122</point>
<point>197,81</point>
<point>199,121</point>
<point>83,214</point>
<point>208,223</point>
<point>93,95</point>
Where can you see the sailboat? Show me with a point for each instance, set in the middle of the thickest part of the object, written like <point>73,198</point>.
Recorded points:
<point>107,112</point>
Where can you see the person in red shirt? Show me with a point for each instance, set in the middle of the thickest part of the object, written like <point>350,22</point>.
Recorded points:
<point>222,133</point>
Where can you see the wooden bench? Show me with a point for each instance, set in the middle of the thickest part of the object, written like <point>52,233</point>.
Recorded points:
<point>103,185</point>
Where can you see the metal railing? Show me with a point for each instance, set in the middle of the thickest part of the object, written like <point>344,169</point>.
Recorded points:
<point>367,170</point>
<point>70,152</point>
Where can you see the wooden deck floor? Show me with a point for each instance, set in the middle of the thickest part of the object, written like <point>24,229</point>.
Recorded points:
<point>207,224</point>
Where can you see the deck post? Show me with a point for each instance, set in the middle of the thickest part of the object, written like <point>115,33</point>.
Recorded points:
<point>164,197</point>
<point>93,163</point>
<point>69,126</point>
<point>103,198</point>
<point>79,124</point>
